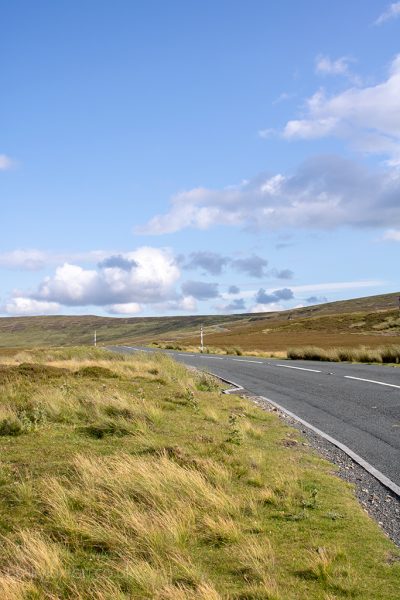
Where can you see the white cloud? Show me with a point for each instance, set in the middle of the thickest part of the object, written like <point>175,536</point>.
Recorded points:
<point>32,259</point>
<point>27,260</point>
<point>6,163</point>
<point>72,285</point>
<point>130,308</point>
<point>327,66</point>
<point>367,116</point>
<point>273,185</point>
<point>123,282</point>
<point>324,65</point>
<point>283,97</point>
<point>392,235</point>
<point>267,133</point>
<point>185,303</point>
<point>337,286</point>
<point>20,306</point>
<point>392,12</point>
<point>271,307</point>
<point>325,192</point>
<point>310,129</point>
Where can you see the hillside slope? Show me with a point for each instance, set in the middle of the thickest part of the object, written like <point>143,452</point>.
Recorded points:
<point>372,321</point>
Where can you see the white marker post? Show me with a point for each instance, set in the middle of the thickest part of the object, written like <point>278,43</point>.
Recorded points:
<point>201,339</point>
<point>95,337</point>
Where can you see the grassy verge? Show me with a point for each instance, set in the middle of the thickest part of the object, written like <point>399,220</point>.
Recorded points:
<point>224,350</point>
<point>130,477</point>
<point>381,354</point>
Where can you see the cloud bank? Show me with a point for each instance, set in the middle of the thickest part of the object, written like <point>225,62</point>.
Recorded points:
<point>369,117</point>
<point>325,193</point>
<point>120,283</point>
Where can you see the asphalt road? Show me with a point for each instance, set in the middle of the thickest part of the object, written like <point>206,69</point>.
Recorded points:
<point>358,405</point>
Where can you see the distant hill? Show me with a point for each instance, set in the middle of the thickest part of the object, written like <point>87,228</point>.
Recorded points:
<point>371,321</point>
<point>78,330</point>
<point>374,320</point>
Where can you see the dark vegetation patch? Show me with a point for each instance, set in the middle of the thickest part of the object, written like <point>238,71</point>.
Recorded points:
<point>107,428</point>
<point>23,421</point>
<point>96,372</point>
<point>31,372</point>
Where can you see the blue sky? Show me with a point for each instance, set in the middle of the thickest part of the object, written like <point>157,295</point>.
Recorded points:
<point>181,157</point>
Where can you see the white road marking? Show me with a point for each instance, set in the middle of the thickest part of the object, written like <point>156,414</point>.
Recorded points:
<point>259,362</point>
<point>134,348</point>
<point>185,354</point>
<point>299,368</point>
<point>373,381</point>
<point>214,357</point>
<point>234,389</point>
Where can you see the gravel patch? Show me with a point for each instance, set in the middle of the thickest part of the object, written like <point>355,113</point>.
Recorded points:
<point>379,502</point>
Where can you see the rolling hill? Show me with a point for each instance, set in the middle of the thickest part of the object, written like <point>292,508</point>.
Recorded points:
<point>370,321</point>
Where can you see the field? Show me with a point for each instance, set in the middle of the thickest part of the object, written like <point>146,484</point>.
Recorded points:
<point>132,478</point>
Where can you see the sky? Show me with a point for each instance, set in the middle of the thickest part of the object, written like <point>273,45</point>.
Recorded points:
<point>183,157</point>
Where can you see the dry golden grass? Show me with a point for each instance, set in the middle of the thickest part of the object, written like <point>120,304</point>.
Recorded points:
<point>380,354</point>
<point>132,478</point>
<point>12,588</point>
<point>34,557</point>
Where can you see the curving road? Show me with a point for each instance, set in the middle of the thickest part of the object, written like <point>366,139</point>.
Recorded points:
<point>356,405</point>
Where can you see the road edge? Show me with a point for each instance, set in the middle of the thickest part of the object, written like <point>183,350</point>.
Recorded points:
<point>385,481</point>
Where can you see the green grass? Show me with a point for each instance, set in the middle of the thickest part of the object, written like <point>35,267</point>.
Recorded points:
<point>131,477</point>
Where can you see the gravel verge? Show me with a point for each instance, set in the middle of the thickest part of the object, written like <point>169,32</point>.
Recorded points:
<point>379,502</point>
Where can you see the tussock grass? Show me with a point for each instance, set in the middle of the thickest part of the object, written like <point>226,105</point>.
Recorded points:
<point>135,478</point>
<point>222,350</point>
<point>381,354</point>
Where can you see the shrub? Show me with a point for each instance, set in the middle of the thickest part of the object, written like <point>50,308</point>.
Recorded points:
<point>96,372</point>
<point>107,428</point>
<point>390,354</point>
<point>23,421</point>
<point>12,426</point>
<point>234,350</point>
<point>206,383</point>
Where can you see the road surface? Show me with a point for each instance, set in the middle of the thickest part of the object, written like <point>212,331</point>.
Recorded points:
<point>357,405</point>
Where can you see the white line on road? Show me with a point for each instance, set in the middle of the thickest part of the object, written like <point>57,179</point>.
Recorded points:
<point>134,348</point>
<point>259,362</point>
<point>299,368</point>
<point>214,357</point>
<point>185,354</point>
<point>372,381</point>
